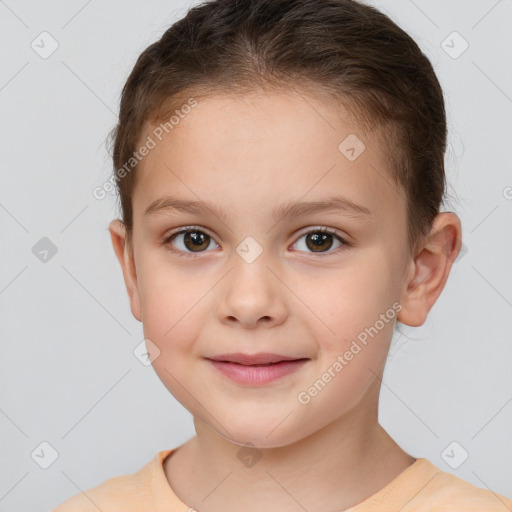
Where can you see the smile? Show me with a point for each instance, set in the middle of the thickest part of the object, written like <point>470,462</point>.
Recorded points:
<point>257,374</point>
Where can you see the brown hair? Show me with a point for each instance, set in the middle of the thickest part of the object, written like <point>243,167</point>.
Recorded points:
<point>343,49</point>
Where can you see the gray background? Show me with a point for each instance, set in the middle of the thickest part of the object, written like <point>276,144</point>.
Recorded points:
<point>68,375</point>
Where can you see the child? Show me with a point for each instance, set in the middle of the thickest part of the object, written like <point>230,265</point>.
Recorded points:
<point>280,167</point>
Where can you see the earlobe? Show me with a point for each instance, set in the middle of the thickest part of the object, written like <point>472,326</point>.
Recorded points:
<point>126,259</point>
<point>430,269</point>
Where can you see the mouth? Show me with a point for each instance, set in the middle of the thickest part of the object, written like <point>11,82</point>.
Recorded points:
<point>260,359</point>
<point>259,365</point>
<point>252,371</point>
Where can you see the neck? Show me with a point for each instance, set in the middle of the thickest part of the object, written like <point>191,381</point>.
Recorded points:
<point>335,468</point>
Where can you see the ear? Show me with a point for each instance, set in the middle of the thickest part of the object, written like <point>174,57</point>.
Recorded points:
<point>125,255</point>
<point>430,269</point>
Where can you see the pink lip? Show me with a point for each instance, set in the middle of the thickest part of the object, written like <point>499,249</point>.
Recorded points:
<point>260,358</point>
<point>255,374</point>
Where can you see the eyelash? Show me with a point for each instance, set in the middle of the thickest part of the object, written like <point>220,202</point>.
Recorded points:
<point>183,254</point>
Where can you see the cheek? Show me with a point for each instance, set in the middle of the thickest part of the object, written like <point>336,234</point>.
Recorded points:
<point>351,312</point>
<point>349,297</point>
<point>166,293</point>
<point>172,311</point>
<point>171,322</point>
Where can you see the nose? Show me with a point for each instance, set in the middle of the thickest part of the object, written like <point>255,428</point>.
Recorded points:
<point>251,295</point>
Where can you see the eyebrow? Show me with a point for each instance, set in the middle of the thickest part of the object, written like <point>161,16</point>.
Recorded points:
<point>287,210</point>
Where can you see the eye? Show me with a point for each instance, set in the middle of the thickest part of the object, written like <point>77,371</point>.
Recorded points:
<point>321,240</point>
<point>190,240</point>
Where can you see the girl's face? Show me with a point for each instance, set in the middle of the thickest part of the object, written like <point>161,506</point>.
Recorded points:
<point>249,278</point>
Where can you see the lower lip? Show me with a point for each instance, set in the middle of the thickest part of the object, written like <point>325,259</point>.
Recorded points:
<point>254,374</point>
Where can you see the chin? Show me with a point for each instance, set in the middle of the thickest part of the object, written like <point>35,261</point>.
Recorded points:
<point>261,435</point>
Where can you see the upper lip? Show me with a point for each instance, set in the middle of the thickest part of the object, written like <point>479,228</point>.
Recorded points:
<point>248,359</point>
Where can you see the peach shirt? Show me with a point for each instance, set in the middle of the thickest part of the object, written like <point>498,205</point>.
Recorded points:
<point>421,487</point>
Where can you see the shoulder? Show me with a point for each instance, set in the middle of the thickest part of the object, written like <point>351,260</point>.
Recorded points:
<point>446,492</point>
<point>130,492</point>
<point>110,493</point>
<point>454,491</point>
<point>423,487</point>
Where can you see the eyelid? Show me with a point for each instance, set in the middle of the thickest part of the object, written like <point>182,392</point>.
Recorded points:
<point>322,229</point>
<point>309,229</point>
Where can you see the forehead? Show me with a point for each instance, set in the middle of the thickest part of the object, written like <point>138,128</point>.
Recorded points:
<point>260,148</point>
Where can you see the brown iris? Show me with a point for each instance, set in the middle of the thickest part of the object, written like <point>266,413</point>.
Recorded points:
<point>198,239</point>
<point>317,240</point>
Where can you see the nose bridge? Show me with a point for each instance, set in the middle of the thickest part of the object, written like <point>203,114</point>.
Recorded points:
<point>250,263</point>
<point>251,291</point>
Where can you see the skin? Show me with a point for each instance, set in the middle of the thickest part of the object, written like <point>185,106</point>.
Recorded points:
<point>249,155</point>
